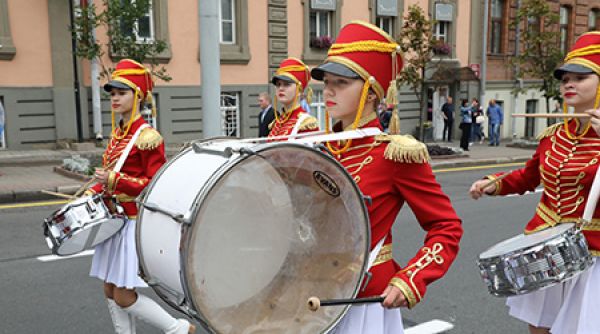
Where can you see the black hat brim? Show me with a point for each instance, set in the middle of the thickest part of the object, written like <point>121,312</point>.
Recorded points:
<point>571,68</point>
<point>334,68</point>
<point>282,78</point>
<point>115,84</point>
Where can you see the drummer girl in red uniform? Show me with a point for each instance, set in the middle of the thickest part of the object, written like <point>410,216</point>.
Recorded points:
<point>291,80</point>
<point>115,260</point>
<point>565,163</point>
<point>392,170</point>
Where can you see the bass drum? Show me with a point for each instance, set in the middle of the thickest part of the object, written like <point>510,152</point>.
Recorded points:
<point>238,236</point>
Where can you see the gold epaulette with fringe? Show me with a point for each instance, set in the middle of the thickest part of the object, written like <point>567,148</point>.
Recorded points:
<point>309,123</point>
<point>404,148</point>
<point>149,139</point>
<point>549,131</point>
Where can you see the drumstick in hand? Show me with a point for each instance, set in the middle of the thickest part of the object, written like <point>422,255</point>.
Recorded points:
<point>314,303</point>
<point>493,181</point>
<point>84,187</point>
<point>61,195</point>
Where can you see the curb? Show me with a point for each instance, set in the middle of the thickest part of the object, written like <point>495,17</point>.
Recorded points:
<point>479,162</point>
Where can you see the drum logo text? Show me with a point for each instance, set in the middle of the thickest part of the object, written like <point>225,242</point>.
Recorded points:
<point>326,183</point>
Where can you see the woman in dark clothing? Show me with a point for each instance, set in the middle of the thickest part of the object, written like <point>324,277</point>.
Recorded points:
<point>466,119</point>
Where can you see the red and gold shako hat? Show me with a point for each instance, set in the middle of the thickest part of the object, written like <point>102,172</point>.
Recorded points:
<point>292,70</point>
<point>363,50</point>
<point>584,56</point>
<point>131,74</point>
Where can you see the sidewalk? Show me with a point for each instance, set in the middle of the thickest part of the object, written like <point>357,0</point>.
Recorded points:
<point>24,173</point>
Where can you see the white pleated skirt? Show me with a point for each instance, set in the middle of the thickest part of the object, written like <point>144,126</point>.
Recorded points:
<point>370,319</point>
<point>567,308</point>
<point>115,260</point>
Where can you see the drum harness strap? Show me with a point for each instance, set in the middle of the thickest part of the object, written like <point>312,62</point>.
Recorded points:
<point>372,256</point>
<point>301,118</point>
<point>128,148</point>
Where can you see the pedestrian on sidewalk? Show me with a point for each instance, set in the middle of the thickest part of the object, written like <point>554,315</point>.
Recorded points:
<point>466,119</point>
<point>115,260</point>
<point>448,115</point>
<point>478,119</point>
<point>495,119</point>
<point>361,67</point>
<point>565,163</point>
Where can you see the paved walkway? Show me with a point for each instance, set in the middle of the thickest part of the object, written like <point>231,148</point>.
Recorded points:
<point>24,173</point>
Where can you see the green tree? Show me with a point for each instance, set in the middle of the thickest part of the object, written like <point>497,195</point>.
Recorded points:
<point>123,21</point>
<point>417,44</point>
<point>540,53</point>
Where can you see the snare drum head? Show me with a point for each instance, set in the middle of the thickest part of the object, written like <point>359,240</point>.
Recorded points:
<point>275,229</point>
<point>523,241</point>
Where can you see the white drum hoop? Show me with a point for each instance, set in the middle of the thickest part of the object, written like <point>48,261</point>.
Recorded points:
<point>186,305</point>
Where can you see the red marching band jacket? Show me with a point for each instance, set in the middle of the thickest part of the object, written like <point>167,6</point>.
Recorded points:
<point>145,158</point>
<point>566,168</point>
<point>286,123</point>
<point>393,170</point>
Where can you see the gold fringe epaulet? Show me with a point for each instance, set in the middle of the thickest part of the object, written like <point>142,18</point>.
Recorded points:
<point>404,148</point>
<point>549,131</point>
<point>309,123</point>
<point>149,139</point>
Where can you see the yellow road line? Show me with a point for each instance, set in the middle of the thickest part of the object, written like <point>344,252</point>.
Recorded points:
<point>30,205</point>
<point>460,169</point>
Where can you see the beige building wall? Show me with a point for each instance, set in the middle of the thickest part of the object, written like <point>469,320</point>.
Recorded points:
<point>32,64</point>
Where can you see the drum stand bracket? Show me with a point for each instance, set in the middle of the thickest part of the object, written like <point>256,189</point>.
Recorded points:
<point>178,217</point>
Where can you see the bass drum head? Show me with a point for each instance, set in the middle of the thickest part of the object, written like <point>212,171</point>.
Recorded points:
<point>273,230</point>
<point>523,241</point>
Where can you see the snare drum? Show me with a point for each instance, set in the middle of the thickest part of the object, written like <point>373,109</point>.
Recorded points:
<point>239,236</point>
<point>527,263</point>
<point>80,225</point>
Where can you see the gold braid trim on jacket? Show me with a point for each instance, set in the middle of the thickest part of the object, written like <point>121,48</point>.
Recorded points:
<point>149,139</point>
<point>549,131</point>
<point>404,148</point>
<point>308,123</point>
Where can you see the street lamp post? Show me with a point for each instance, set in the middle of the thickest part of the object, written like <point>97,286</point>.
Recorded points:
<point>208,14</point>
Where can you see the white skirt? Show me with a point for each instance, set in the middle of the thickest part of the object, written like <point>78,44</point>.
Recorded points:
<point>370,319</point>
<point>115,260</point>
<point>567,308</point>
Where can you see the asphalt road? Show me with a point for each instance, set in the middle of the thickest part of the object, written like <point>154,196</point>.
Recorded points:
<point>59,297</point>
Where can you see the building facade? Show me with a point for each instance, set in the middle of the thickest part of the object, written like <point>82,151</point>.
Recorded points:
<point>576,18</point>
<point>46,91</point>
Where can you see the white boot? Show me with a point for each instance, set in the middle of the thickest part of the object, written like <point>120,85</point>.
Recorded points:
<point>123,322</point>
<point>149,311</point>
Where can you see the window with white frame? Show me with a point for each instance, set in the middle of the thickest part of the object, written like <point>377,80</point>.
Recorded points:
<point>593,19</point>
<point>386,23</point>
<point>440,32</point>
<point>227,19</point>
<point>143,28</point>
<point>565,18</point>
<point>320,23</point>
<point>230,114</point>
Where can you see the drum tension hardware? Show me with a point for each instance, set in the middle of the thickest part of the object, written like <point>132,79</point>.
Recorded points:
<point>178,217</point>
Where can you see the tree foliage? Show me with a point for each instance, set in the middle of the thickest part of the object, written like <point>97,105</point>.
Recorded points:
<point>119,18</point>
<point>417,43</point>
<point>540,53</point>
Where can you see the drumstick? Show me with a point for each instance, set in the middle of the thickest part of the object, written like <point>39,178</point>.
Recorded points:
<point>551,115</point>
<point>58,194</point>
<point>314,303</point>
<point>84,187</point>
<point>494,181</point>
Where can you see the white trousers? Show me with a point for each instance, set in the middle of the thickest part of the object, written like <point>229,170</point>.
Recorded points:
<point>567,308</point>
<point>370,319</point>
